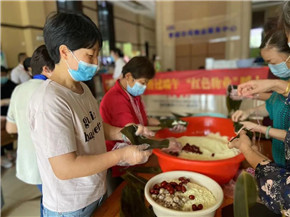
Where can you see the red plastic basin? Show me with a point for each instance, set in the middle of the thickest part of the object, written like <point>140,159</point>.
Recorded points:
<point>221,171</point>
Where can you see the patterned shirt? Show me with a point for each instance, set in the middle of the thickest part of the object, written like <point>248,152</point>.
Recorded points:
<point>274,180</point>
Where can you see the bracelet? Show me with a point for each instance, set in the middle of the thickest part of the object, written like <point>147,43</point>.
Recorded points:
<point>287,90</point>
<point>267,132</point>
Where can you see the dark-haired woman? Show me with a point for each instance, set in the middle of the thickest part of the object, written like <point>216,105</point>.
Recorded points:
<point>66,127</point>
<point>276,52</point>
<point>122,105</point>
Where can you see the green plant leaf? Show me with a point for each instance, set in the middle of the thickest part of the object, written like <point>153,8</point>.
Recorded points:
<point>245,194</point>
<point>130,133</point>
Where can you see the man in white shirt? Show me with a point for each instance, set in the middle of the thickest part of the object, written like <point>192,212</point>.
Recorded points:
<point>117,56</point>
<point>17,119</point>
<point>18,74</point>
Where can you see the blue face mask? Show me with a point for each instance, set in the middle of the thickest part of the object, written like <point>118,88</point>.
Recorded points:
<point>137,90</point>
<point>113,59</point>
<point>85,71</point>
<point>280,70</point>
<point>4,80</point>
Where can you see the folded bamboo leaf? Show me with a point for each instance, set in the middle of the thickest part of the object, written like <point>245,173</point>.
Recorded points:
<point>130,133</point>
<point>132,200</point>
<point>133,203</point>
<point>178,115</point>
<point>238,126</point>
<point>169,123</point>
<point>135,180</point>
<point>245,194</point>
<point>155,170</point>
<point>182,116</point>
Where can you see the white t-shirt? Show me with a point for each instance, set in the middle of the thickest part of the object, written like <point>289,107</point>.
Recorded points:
<point>62,122</point>
<point>19,75</point>
<point>26,163</point>
<point>119,64</point>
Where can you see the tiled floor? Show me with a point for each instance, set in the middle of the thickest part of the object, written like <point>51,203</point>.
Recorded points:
<point>20,199</point>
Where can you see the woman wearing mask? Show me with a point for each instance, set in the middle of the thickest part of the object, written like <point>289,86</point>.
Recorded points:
<point>123,105</point>
<point>276,52</point>
<point>66,127</point>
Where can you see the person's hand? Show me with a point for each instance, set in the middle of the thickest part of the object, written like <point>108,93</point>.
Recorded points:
<point>144,131</point>
<point>242,143</point>
<point>134,154</point>
<point>252,88</point>
<point>250,126</point>
<point>174,146</point>
<point>240,115</point>
<point>179,128</point>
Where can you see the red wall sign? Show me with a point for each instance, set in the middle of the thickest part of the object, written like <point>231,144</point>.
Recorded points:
<point>197,81</point>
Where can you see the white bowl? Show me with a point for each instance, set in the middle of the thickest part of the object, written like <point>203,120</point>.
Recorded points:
<point>197,178</point>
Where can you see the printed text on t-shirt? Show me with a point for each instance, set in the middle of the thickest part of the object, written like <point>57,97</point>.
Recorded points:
<point>87,121</point>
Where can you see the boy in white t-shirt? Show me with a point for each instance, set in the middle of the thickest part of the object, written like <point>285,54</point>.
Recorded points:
<point>17,120</point>
<point>66,126</point>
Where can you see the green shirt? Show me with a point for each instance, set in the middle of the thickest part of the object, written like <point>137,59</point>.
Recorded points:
<point>279,112</point>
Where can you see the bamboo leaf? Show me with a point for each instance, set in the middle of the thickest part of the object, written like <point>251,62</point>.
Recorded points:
<point>245,194</point>
<point>155,170</point>
<point>135,180</point>
<point>169,123</point>
<point>238,126</point>
<point>130,133</point>
<point>132,200</point>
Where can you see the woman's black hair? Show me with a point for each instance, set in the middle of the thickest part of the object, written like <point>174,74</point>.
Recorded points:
<point>39,59</point>
<point>118,51</point>
<point>26,63</point>
<point>278,40</point>
<point>284,20</point>
<point>139,67</point>
<point>73,30</point>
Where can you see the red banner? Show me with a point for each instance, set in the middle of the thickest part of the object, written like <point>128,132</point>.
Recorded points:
<point>197,81</point>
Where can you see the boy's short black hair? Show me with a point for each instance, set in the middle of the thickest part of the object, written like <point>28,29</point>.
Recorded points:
<point>140,67</point>
<point>118,51</point>
<point>21,57</point>
<point>73,30</point>
<point>26,63</point>
<point>39,59</point>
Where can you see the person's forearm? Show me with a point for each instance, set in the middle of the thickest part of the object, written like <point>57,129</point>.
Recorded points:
<point>280,86</point>
<point>5,102</point>
<point>153,122</point>
<point>273,132</point>
<point>264,96</point>
<point>11,127</point>
<point>253,157</point>
<point>73,166</point>
<point>260,110</point>
<point>111,132</point>
<point>277,134</point>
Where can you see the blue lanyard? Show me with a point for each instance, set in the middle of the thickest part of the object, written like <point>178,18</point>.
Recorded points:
<point>41,77</point>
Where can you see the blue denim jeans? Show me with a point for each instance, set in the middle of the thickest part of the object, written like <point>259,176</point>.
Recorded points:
<point>84,212</point>
<point>41,205</point>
